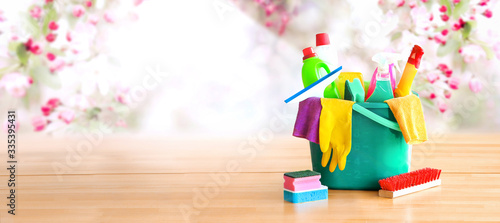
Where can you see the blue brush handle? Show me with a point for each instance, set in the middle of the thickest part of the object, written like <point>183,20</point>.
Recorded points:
<point>313,84</point>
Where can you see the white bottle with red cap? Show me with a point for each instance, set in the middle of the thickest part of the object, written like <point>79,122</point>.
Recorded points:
<point>326,51</point>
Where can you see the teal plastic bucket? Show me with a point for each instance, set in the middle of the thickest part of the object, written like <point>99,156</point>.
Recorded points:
<point>378,151</point>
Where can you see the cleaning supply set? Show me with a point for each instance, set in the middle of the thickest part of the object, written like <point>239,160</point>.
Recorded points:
<point>359,132</point>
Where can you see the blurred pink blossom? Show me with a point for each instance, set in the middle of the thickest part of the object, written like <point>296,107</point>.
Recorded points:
<point>39,123</point>
<point>122,95</point>
<point>138,2</point>
<point>78,10</point>
<point>447,94</point>
<point>36,12</point>
<point>475,85</point>
<point>53,25</point>
<point>443,9</point>
<point>412,4</point>
<point>53,103</point>
<point>51,56</point>
<point>442,67</point>
<point>400,3</point>
<point>432,96</point>
<point>457,26</point>
<point>270,8</point>
<point>445,17</point>
<point>57,65</point>
<point>121,123</point>
<point>79,101</point>
<point>432,77</point>
<point>51,37</point>
<point>454,82</point>
<point>36,49</point>
<point>488,13</point>
<point>68,37</point>
<point>88,4</point>
<point>109,17</point>
<point>46,110</point>
<point>448,73</point>
<point>66,116</point>
<point>15,84</point>
<point>93,19</point>
<point>442,107</point>
<point>496,49</point>
<point>444,32</point>
<point>420,17</point>
<point>471,53</point>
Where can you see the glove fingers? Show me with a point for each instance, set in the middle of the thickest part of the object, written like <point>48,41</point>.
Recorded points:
<point>342,158</point>
<point>326,157</point>
<point>333,163</point>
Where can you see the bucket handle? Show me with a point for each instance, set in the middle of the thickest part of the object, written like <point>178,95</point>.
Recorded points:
<point>376,118</point>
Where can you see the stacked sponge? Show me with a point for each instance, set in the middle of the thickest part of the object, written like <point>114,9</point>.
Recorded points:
<point>303,186</point>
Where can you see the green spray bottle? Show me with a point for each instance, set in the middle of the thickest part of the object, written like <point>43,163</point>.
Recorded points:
<point>314,69</point>
<point>383,87</point>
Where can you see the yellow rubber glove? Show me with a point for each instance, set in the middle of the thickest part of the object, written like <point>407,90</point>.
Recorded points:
<point>335,131</point>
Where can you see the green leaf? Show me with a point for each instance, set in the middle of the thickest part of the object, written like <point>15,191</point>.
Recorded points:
<point>446,3</point>
<point>13,46</point>
<point>22,54</point>
<point>43,75</point>
<point>441,28</point>
<point>32,96</point>
<point>396,36</point>
<point>33,27</point>
<point>460,9</point>
<point>428,5</point>
<point>427,101</point>
<point>488,51</point>
<point>466,30</point>
<point>50,16</point>
<point>93,112</point>
<point>451,46</point>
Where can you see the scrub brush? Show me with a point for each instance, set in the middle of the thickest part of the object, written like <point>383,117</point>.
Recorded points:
<point>407,183</point>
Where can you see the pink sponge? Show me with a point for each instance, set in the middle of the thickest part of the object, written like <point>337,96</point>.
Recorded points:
<point>302,184</point>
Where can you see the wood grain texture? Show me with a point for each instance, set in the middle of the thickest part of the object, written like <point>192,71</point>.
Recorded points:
<point>126,179</point>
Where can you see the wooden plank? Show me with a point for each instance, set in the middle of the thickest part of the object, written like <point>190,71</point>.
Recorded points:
<point>120,155</point>
<point>246,197</point>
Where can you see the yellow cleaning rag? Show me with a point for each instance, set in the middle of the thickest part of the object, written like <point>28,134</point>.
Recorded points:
<point>335,131</point>
<point>410,116</point>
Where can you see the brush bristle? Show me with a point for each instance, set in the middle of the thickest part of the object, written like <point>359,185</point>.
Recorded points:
<point>410,179</point>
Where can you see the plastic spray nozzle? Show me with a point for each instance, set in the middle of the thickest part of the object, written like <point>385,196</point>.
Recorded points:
<point>308,53</point>
<point>383,66</point>
<point>385,60</point>
<point>411,68</point>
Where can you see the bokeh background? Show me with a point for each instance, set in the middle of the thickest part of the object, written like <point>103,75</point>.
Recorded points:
<point>223,68</point>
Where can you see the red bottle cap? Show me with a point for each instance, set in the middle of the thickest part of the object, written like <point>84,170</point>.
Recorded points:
<point>308,53</point>
<point>322,39</point>
<point>415,56</point>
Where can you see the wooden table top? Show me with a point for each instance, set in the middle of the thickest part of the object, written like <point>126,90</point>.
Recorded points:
<point>131,179</point>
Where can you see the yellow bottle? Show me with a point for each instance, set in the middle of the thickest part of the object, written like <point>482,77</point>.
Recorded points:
<point>411,68</point>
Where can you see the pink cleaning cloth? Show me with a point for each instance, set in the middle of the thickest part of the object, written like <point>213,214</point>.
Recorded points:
<point>302,184</point>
